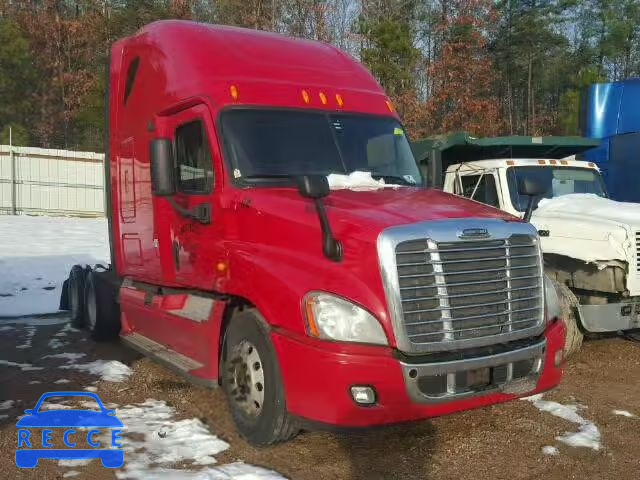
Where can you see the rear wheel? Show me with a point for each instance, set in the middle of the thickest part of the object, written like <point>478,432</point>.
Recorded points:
<point>569,307</point>
<point>102,310</point>
<point>75,289</point>
<point>252,382</point>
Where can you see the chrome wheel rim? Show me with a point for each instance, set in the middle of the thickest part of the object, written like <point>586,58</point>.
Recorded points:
<point>246,378</point>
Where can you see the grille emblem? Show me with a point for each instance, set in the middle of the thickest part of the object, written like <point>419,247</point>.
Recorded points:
<point>474,233</point>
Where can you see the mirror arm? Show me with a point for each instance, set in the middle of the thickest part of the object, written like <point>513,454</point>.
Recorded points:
<point>529,211</point>
<point>331,247</point>
<point>200,213</point>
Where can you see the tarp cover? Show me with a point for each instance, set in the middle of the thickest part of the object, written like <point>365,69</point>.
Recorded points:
<point>462,147</point>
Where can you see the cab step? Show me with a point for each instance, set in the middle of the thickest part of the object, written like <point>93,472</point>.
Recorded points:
<point>162,354</point>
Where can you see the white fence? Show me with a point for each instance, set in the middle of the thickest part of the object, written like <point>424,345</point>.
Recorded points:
<point>51,182</point>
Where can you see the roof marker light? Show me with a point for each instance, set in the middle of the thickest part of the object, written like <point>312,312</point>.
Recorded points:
<point>323,98</point>
<point>305,96</point>
<point>389,105</point>
<point>542,162</point>
<point>564,162</point>
<point>553,162</point>
<point>233,91</point>
<point>510,162</point>
<point>592,165</point>
<point>339,100</point>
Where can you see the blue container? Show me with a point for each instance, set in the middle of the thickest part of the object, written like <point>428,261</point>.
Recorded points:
<point>611,112</point>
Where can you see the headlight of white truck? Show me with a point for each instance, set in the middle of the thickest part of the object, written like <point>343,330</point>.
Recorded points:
<point>333,318</point>
<point>551,300</point>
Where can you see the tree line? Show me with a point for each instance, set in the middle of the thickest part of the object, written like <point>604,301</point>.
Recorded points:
<point>486,66</point>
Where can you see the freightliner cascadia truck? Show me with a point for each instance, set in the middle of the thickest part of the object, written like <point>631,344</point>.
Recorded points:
<point>270,233</point>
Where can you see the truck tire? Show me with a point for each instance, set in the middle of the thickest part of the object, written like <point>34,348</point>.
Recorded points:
<point>75,288</point>
<point>102,312</point>
<point>569,308</point>
<point>252,382</point>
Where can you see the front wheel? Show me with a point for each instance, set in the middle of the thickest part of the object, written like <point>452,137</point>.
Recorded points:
<point>569,311</point>
<point>252,382</point>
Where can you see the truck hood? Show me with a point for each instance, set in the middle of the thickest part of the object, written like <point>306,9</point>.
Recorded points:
<point>589,228</point>
<point>374,210</point>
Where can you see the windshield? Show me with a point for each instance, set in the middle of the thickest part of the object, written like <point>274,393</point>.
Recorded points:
<point>557,180</point>
<point>277,143</point>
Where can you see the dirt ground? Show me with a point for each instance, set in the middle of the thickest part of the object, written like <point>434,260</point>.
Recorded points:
<point>498,442</point>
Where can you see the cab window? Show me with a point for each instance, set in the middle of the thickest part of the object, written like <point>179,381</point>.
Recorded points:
<point>193,158</point>
<point>481,188</point>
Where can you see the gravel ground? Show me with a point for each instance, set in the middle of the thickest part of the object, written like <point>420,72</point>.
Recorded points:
<point>503,441</point>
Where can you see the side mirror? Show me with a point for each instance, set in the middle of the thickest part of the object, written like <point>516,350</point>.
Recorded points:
<point>529,187</point>
<point>313,186</point>
<point>163,173</point>
<point>533,189</point>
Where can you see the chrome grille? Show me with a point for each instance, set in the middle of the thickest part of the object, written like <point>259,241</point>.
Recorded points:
<point>454,291</point>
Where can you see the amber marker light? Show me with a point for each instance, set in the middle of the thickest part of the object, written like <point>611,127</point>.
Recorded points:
<point>311,322</point>
<point>542,162</point>
<point>389,105</point>
<point>553,162</point>
<point>305,96</point>
<point>510,162</point>
<point>564,162</point>
<point>339,100</point>
<point>323,98</point>
<point>221,267</point>
<point>233,91</point>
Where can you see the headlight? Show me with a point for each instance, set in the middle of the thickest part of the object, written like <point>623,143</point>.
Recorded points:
<point>334,318</point>
<point>551,300</point>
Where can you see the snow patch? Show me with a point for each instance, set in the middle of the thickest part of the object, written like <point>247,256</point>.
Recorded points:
<point>74,462</point>
<point>33,320</point>
<point>49,246</point>
<point>30,332</point>
<point>356,181</point>
<point>62,380</point>
<point>54,343</point>
<point>154,441</point>
<point>34,382</point>
<point>91,389</point>
<point>587,435</point>
<point>71,473</point>
<point>3,416</point>
<point>109,370</point>
<point>25,367</point>
<point>623,413</point>
<point>7,404</point>
<point>66,356</point>
<point>550,450</point>
<point>6,328</point>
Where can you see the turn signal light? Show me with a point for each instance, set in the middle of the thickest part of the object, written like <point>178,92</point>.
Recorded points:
<point>233,91</point>
<point>323,98</point>
<point>389,105</point>
<point>305,96</point>
<point>339,100</point>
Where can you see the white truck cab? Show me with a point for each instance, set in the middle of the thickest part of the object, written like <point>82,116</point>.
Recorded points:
<point>591,244</point>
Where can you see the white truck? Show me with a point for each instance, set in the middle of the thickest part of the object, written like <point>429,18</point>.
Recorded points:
<point>591,244</point>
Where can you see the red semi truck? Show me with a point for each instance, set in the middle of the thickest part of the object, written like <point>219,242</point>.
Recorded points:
<point>236,263</point>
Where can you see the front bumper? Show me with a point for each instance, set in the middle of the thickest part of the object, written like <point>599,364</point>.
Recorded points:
<point>611,317</point>
<point>317,377</point>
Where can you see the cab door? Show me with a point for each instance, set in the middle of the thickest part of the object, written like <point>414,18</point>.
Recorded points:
<point>195,243</point>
